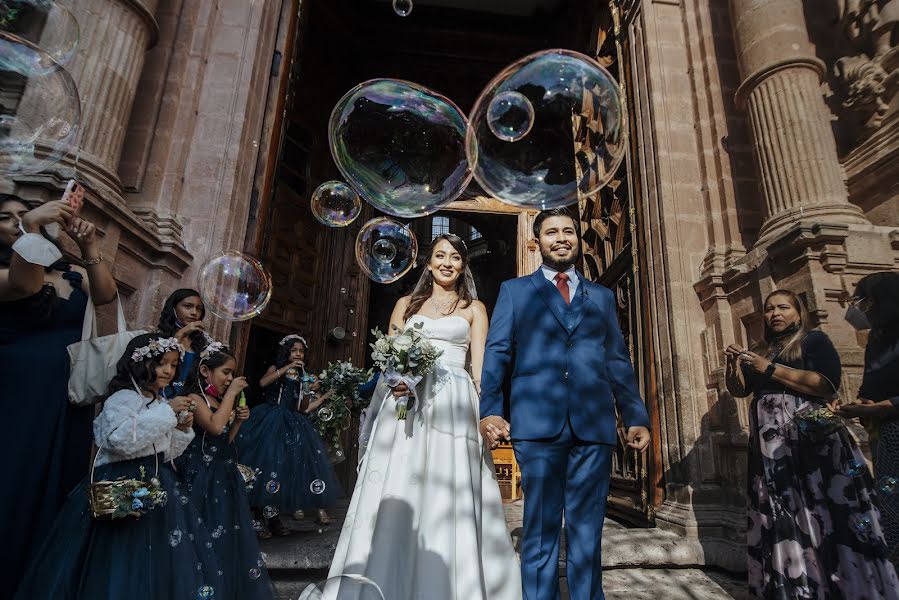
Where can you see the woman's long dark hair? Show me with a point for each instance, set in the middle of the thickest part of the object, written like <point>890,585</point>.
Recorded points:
<point>787,345</point>
<point>425,284</point>
<point>143,372</point>
<point>882,289</point>
<point>283,356</point>
<point>168,325</point>
<point>195,383</point>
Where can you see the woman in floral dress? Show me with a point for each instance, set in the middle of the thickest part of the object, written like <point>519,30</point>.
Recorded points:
<point>814,527</point>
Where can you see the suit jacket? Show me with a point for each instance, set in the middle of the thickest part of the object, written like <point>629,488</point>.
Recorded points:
<point>567,362</point>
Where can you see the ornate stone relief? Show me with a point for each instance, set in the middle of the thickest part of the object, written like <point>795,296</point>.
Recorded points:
<point>869,78</point>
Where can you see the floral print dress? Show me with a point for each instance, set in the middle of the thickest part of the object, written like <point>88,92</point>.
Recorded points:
<point>814,524</point>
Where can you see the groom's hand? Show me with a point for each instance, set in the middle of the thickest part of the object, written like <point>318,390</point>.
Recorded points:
<point>638,438</point>
<point>494,429</point>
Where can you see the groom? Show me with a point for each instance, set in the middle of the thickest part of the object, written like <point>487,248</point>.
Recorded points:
<point>558,334</point>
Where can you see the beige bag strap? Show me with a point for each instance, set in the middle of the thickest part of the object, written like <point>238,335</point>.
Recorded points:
<point>89,328</point>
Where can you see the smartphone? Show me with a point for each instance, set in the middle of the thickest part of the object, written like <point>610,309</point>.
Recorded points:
<point>74,195</point>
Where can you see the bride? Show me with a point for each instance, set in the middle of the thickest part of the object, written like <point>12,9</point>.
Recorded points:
<point>426,518</point>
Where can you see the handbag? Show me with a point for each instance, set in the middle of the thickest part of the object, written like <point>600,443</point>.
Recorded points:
<point>94,359</point>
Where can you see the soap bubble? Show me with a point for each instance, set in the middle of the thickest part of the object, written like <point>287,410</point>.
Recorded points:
<point>273,486</point>
<point>888,485</point>
<point>510,116</point>
<point>401,146</point>
<point>402,7</point>
<point>235,286</point>
<point>270,512</point>
<point>346,585</point>
<point>862,523</point>
<point>575,144</point>
<point>43,23</point>
<point>854,468</point>
<point>336,204</point>
<point>41,112</point>
<point>205,592</point>
<point>317,487</point>
<point>325,413</point>
<point>386,250</point>
<point>255,573</point>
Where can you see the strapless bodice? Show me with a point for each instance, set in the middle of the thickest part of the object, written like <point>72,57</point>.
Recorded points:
<point>450,334</point>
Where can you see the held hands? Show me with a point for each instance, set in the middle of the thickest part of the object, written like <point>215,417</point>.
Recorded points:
<point>493,429</point>
<point>638,438</point>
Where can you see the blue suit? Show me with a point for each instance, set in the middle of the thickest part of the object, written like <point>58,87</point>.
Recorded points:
<point>570,370</point>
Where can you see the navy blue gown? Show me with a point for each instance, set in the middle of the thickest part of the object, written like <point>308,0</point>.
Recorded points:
<point>47,451</point>
<point>215,487</point>
<point>176,388</point>
<point>165,553</point>
<point>284,445</point>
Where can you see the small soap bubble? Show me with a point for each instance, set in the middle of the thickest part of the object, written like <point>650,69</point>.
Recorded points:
<point>510,116</point>
<point>386,250</point>
<point>888,485</point>
<point>273,486</point>
<point>854,468</point>
<point>317,487</point>
<point>335,204</point>
<point>255,573</point>
<point>402,7</point>
<point>270,512</point>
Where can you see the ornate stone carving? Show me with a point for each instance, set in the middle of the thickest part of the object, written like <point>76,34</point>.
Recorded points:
<point>868,79</point>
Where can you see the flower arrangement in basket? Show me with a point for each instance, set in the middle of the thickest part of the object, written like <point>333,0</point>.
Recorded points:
<point>333,417</point>
<point>405,357</point>
<point>125,497</point>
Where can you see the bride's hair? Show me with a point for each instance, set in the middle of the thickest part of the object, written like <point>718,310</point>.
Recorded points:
<point>465,287</point>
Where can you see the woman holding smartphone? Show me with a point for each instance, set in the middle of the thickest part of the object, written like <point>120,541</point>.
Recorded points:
<point>42,304</point>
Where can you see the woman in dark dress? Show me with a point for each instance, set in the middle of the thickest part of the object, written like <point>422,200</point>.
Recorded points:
<point>182,318</point>
<point>813,528</point>
<point>47,452</point>
<point>875,306</point>
<point>279,440</point>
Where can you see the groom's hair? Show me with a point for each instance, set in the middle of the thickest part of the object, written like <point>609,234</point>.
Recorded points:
<point>555,212</point>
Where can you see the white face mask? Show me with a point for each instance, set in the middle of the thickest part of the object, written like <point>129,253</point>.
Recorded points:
<point>857,318</point>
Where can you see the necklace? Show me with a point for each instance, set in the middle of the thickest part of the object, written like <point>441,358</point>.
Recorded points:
<point>442,306</point>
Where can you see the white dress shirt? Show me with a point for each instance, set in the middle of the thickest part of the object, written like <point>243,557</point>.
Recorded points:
<point>573,280</point>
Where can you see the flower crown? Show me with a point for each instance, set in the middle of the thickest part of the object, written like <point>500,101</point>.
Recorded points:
<point>293,337</point>
<point>157,347</point>
<point>213,348</point>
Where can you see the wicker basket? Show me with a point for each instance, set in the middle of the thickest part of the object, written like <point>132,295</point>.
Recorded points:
<point>102,494</point>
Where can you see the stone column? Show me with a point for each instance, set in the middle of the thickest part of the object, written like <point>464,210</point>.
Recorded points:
<point>795,150</point>
<point>115,35</point>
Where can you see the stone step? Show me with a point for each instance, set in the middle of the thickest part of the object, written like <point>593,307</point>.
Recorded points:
<point>638,562</point>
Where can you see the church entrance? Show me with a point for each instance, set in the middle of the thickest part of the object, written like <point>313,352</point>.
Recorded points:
<point>454,47</point>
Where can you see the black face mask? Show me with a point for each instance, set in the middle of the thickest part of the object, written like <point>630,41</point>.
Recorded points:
<point>786,333</point>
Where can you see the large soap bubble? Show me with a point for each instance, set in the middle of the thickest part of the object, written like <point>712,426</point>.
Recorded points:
<point>335,204</point>
<point>235,286</point>
<point>401,146</point>
<point>386,250</point>
<point>48,25</point>
<point>40,112</point>
<point>575,144</point>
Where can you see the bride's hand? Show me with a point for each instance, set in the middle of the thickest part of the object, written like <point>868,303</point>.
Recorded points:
<point>493,429</point>
<point>401,390</point>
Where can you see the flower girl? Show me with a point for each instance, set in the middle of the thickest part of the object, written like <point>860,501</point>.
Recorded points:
<point>280,441</point>
<point>120,534</point>
<point>210,475</point>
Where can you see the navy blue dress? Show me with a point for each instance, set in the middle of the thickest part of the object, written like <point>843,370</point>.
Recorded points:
<point>176,388</point>
<point>47,452</point>
<point>284,445</point>
<point>215,487</point>
<point>165,553</point>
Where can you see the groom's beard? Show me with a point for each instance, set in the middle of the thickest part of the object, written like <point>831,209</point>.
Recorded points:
<point>561,267</point>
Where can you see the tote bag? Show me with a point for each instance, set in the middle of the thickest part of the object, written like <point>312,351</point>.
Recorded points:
<point>93,360</point>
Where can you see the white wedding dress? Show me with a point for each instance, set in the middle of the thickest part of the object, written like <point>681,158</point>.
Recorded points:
<point>426,519</point>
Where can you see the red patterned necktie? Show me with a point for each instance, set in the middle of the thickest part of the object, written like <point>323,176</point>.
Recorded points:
<point>562,286</point>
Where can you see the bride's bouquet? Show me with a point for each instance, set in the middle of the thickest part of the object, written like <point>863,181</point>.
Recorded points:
<point>405,357</point>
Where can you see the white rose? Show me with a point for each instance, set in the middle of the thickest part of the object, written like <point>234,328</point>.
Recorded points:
<point>403,342</point>
<point>382,346</point>
<point>426,346</point>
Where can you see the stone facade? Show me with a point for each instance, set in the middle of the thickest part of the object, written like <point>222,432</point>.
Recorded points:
<point>768,152</point>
